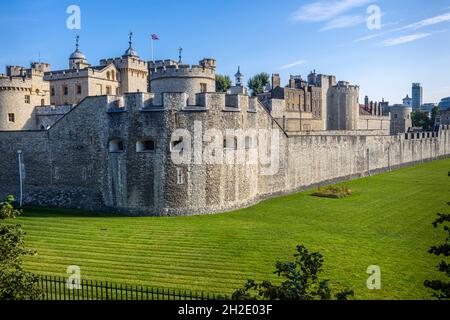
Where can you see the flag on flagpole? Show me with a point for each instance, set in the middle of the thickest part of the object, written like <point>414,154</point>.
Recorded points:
<point>155,37</point>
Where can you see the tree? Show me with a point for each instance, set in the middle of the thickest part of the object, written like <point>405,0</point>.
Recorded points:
<point>259,82</point>
<point>434,112</point>
<point>441,287</point>
<point>7,209</point>
<point>421,119</point>
<point>223,83</point>
<point>302,281</point>
<point>15,283</point>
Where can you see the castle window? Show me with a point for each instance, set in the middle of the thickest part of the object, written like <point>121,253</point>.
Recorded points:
<point>176,145</point>
<point>116,146</point>
<point>52,90</point>
<point>113,75</point>
<point>79,89</point>
<point>27,99</point>
<point>203,87</point>
<point>66,90</point>
<point>108,90</point>
<point>180,176</point>
<point>230,143</point>
<point>42,102</point>
<point>11,117</point>
<point>145,146</point>
<point>108,75</point>
<point>117,91</point>
<point>249,143</point>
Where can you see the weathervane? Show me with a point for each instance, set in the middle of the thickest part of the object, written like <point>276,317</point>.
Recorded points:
<point>130,37</point>
<point>180,51</point>
<point>77,41</point>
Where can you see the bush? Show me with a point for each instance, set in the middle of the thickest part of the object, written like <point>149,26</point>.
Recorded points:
<point>7,210</point>
<point>333,192</point>
<point>441,288</point>
<point>15,282</point>
<point>302,282</point>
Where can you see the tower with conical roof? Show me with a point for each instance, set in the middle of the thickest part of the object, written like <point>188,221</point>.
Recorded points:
<point>78,60</point>
<point>133,70</point>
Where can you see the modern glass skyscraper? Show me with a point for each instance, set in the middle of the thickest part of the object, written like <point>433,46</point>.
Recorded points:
<point>417,96</point>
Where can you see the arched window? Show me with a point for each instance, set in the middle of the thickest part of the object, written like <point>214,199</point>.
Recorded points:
<point>113,75</point>
<point>147,145</point>
<point>116,146</point>
<point>108,75</point>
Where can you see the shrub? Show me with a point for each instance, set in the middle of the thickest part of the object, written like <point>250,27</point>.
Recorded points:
<point>333,192</point>
<point>7,210</point>
<point>15,282</point>
<point>301,281</point>
<point>441,288</point>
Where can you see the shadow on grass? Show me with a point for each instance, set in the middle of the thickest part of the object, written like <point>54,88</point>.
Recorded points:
<point>37,212</point>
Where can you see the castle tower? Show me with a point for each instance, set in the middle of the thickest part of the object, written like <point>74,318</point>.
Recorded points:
<point>401,119</point>
<point>21,90</point>
<point>170,76</point>
<point>77,60</point>
<point>343,108</point>
<point>133,70</point>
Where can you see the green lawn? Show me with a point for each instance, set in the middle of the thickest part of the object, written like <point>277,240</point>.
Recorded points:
<point>386,222</point>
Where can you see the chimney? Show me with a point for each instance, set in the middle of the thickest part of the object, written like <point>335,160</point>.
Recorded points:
<point>276,81</point>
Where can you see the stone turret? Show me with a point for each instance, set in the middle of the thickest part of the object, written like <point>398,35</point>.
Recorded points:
<point>343,109</point>
<point>168,76</point>
<point>21,90</point>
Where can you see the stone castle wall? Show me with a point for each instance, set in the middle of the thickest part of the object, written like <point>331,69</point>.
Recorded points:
<point>71,164</point>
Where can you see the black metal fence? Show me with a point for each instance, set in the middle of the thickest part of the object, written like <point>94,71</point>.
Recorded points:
<point>56,288</point>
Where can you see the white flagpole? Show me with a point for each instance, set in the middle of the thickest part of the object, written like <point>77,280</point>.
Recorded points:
<point>153,58</point>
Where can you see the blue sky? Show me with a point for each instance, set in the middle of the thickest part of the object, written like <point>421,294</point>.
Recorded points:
<point>284,36</point>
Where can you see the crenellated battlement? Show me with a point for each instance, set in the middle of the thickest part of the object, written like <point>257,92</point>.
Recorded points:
<point>182,71</point>
<point>125,62</point>
<point>15,83</point>
<point>67,74</point>
<point>346,87</point>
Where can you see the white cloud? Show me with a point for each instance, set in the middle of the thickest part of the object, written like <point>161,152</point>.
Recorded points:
<point>325,10</point>
<point>293,64</point>
<point>429,22</point>
<point>404,39</point>
<point>344,22</point>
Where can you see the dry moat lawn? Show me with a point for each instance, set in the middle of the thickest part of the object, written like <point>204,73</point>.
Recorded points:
<point>386,222</point>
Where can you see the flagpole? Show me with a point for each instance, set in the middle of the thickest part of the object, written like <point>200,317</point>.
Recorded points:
<point>153,58</point>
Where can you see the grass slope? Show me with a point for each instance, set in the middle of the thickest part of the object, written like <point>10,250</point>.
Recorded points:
<point>386,222</point>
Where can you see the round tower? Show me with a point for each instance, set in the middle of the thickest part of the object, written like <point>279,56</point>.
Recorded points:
<point>176,77</point>
<point>343,110</point>
<point>401,119</point>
